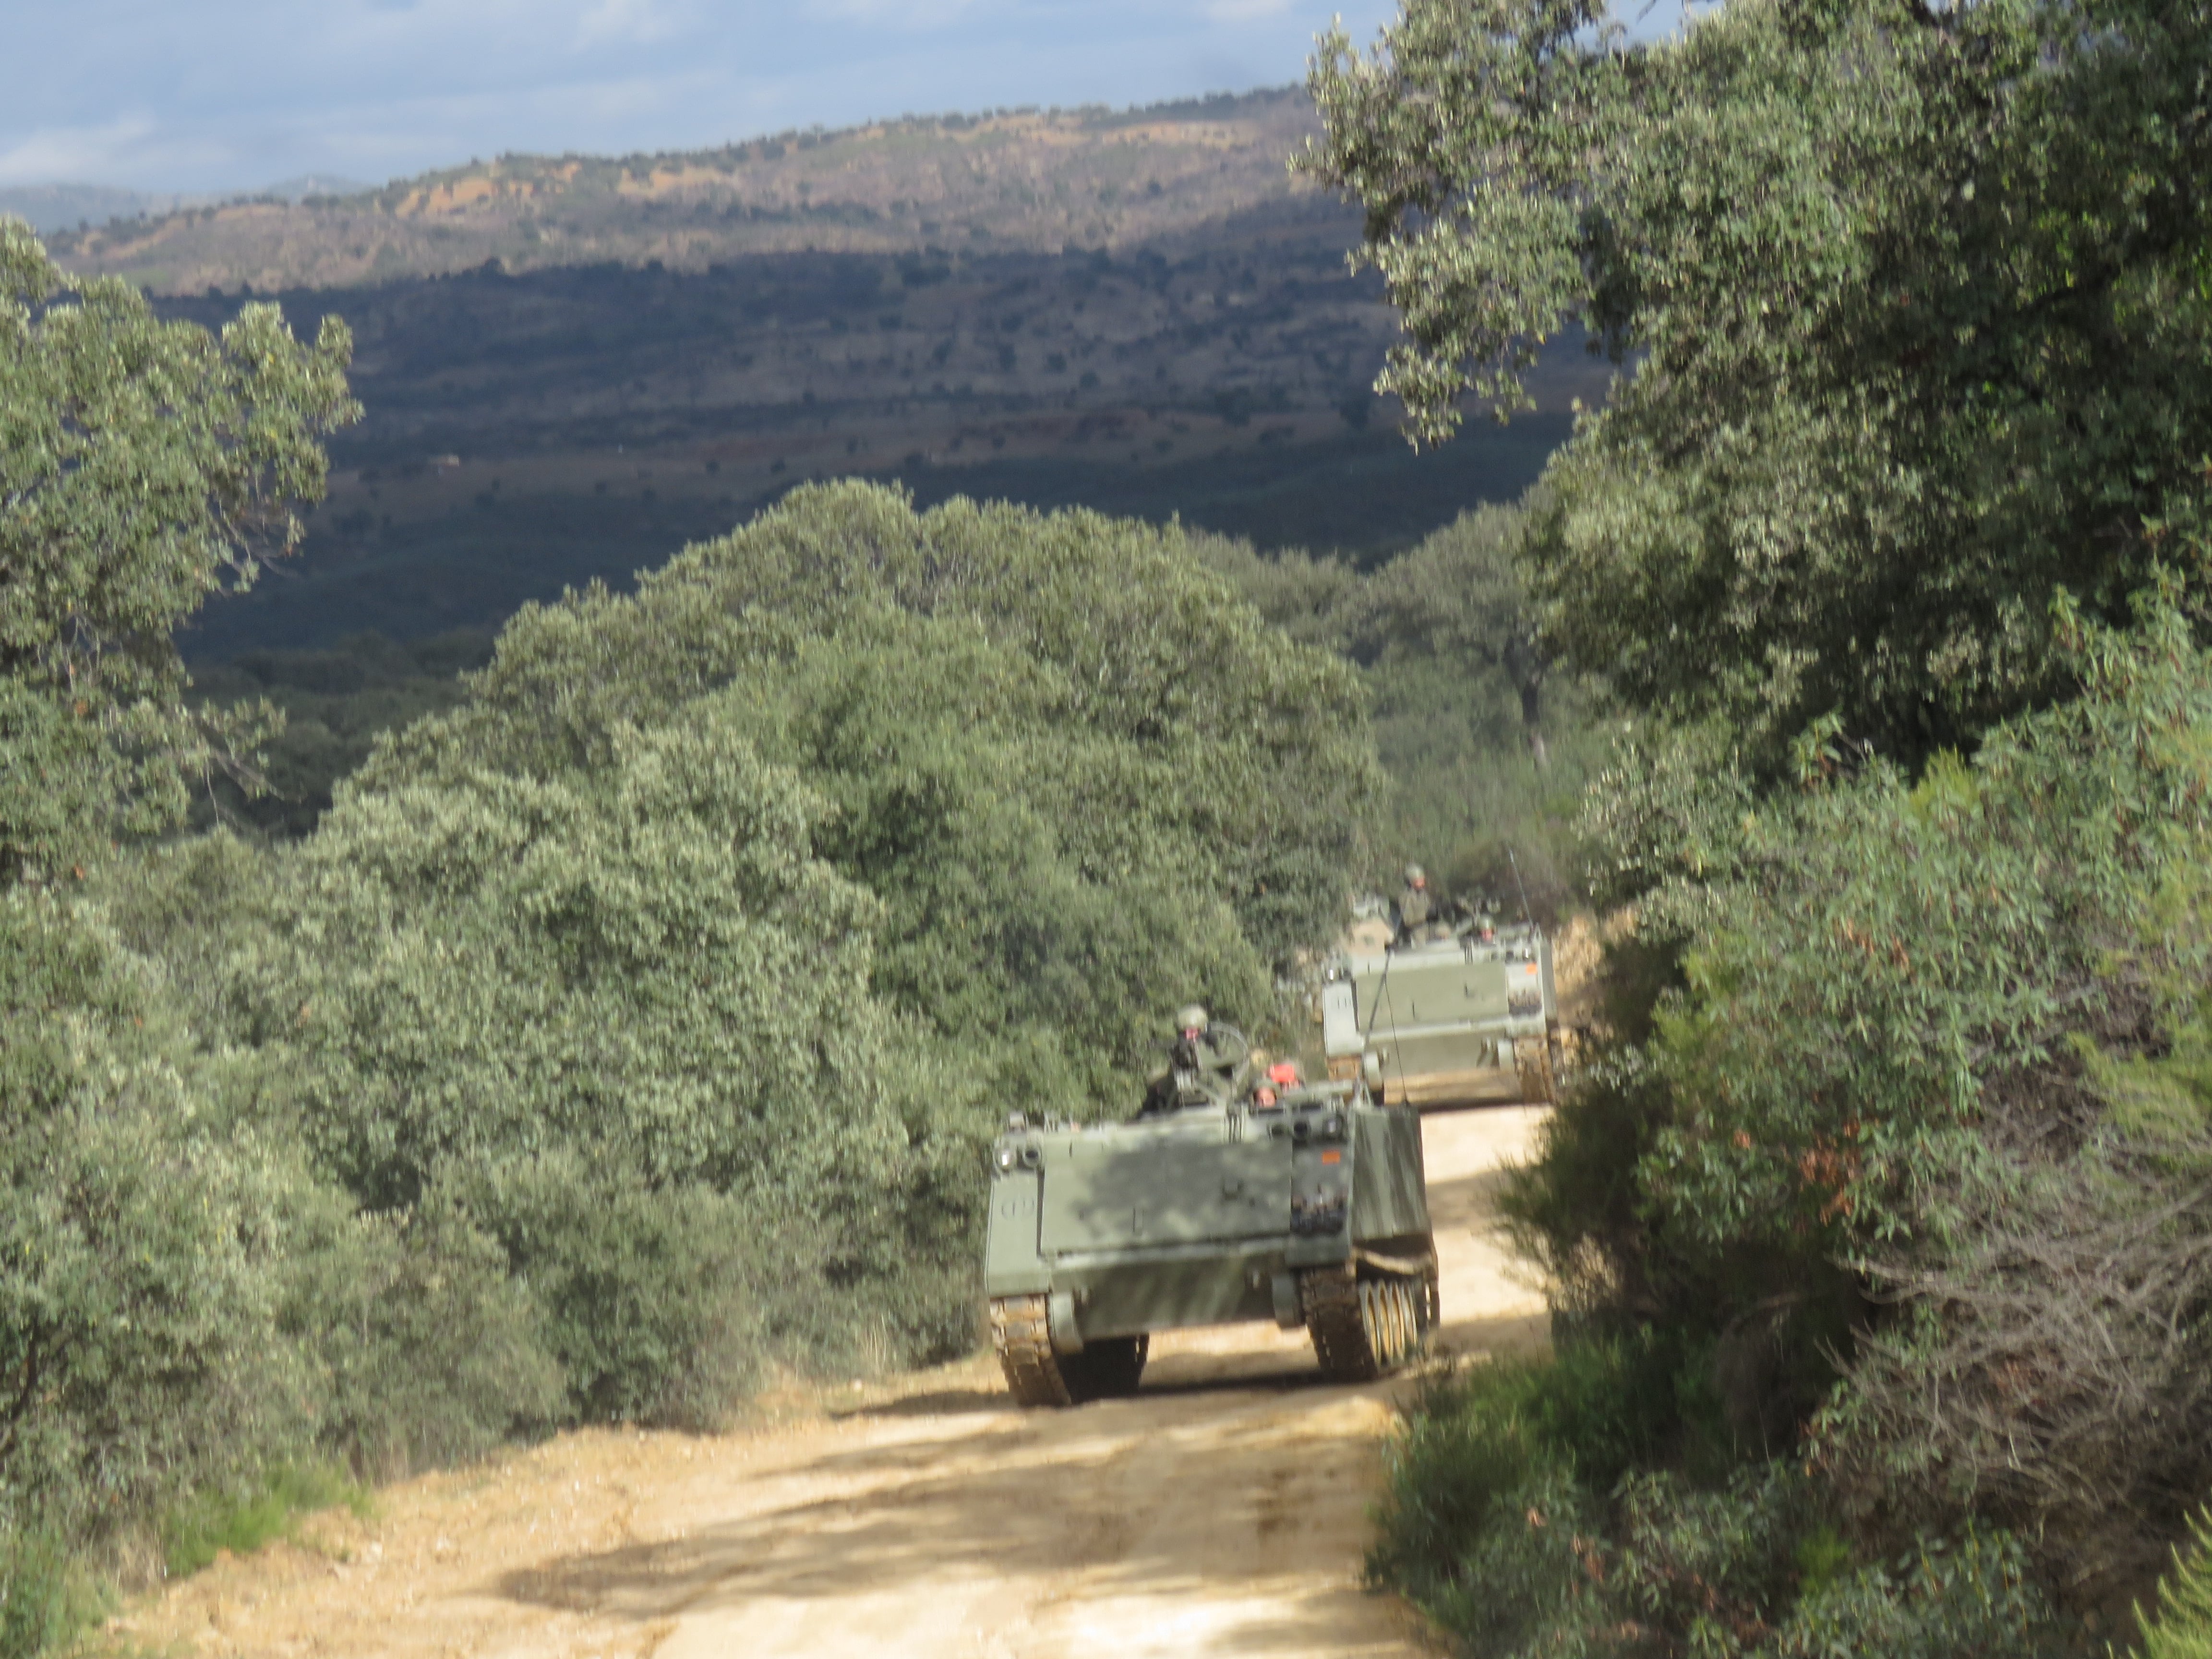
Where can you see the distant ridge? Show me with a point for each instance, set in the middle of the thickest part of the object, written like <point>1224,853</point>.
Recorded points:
<point>53,208</point>
<point>298,189</point>
<point>935,187</point>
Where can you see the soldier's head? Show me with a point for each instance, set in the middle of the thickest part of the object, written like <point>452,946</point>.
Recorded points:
<point>1416,877</point>
<point>1191,1021</point>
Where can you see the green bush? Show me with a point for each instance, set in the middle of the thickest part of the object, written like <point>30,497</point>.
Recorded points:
<point>430,1352</point>
<point>604,1046</point>
<point>1926,1091</point>
<point>1054,748</point>
<point>2181,1627</point>
<point>242,1516</point>
<point>1529,1579</point>
<point>652,1295</point>
<point>144,1246</point>
<point>642,957</point>
<point>1480,1439</point>
<point>1972,1597</point>
<point>1538,1508</point>
<point>45,1596</point>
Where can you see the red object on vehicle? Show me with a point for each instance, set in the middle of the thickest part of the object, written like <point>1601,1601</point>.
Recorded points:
<point>1284,1075</point>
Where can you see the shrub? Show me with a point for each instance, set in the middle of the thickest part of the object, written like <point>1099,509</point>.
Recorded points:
<point>1054,748</point>
<point>1479,1440</point>
<point>429,1350</point>
<point>1970,1598</point>
<point>2181,1628</point>
<point>1530,1511</point>
<point>641,956</point>
<point>1529,1579</point>
<point>651,1296</point>
<point>244,1515</point>
<point>45,1597</point>
<point>141,1250</point>
<point>1925,1099</point>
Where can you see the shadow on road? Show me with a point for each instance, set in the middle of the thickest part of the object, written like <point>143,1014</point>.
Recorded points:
<point>1046,1491</point>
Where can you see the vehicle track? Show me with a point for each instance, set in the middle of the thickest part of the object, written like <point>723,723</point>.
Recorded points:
<point>1223,1510</point>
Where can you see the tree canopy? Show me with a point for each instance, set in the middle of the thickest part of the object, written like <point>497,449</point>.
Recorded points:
<point>1888,1149</point>
<point>1916,299</point>
<point>1085,779</point>
<point>144,465</point>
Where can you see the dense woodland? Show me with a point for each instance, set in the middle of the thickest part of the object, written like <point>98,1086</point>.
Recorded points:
<point>526,432</point>
<point>457,1059</point>
<point>462,1058</point>
<point>1877,1220</point>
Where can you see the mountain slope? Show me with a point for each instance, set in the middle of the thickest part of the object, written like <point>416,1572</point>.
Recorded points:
<point>527,432</point>
<point>1010,181</point>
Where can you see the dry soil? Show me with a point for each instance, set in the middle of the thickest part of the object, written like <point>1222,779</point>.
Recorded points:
<point>1222,1511</point>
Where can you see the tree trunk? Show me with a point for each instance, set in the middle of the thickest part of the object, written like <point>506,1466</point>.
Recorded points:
<point>1532,718</point>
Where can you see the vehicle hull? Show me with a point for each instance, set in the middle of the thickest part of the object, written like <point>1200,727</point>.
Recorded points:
<point>1452,1022</point>
<point>1216,1218</point>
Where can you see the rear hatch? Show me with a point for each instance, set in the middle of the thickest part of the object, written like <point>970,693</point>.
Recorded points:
<point>1171,1184</point>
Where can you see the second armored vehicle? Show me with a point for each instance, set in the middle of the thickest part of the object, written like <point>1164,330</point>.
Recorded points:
<point>1462,1016</point>
<point>1307,1207</point>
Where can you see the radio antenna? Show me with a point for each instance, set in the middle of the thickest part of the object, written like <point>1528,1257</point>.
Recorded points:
<point>1527,920</point>
<point>1382,999</point>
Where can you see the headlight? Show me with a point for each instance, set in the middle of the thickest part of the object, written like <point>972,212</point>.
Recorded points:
<point>1006,1157</point>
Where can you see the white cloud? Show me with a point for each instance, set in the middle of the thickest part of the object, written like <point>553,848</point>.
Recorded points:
<point>641,22</point>
<point>916,16</point>
<point>65,154</point>
<point>224,94</point>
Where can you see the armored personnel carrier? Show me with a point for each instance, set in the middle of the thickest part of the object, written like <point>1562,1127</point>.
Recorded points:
<point>1464,1015</point>
<point>1308,1208</point>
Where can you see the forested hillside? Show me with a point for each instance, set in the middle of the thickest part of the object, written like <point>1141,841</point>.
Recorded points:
<point>522,434</point>
<point>635,1021</point>
<point>1027,180</point>
<point>568,1041</point>
<point>571,367</point>
<point>1878,1219</point>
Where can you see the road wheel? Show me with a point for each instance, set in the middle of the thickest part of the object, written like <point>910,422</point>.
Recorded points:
<point>1403,1339</point>
<point>1363,1327</point>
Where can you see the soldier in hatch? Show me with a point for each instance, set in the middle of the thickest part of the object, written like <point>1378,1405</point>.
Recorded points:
<point>1208,1066</point>
<point>1413,905</point>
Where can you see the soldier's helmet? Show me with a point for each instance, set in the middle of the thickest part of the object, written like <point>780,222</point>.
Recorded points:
<point>1415,876</point>
<point>1191,1019</point>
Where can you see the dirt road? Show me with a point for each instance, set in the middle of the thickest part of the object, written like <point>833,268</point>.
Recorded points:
<point>1222,1510</point>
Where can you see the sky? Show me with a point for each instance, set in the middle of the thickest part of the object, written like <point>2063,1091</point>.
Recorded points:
<point>218,95</point>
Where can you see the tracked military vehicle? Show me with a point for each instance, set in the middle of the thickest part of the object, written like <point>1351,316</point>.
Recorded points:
<point>1306,1207</point>
<point>1463,1015</point>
